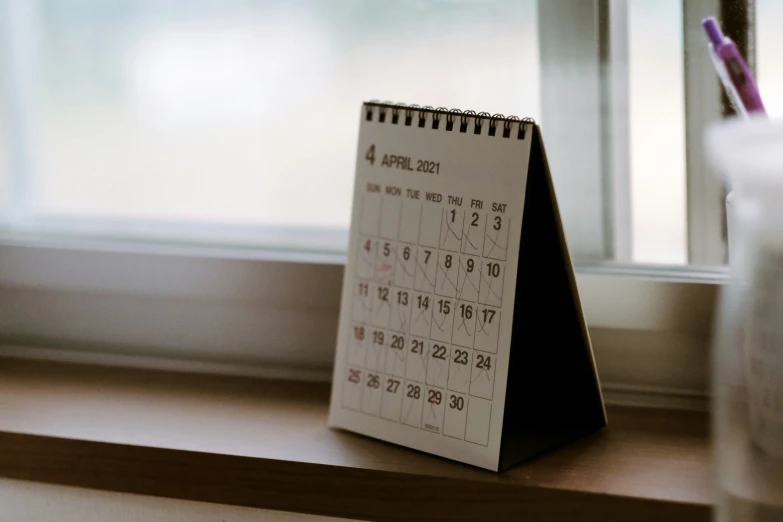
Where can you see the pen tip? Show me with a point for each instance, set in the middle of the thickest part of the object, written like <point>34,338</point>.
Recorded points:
<point>712,29</point>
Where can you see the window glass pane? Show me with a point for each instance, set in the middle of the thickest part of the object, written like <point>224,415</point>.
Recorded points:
<point>5,92</point>
<point>657,121</point>
<point>769,44</point>
<point>247,112</point>
<point>5,166</point>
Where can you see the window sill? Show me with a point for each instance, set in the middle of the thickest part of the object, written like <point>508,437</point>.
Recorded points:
<point>265,444</point>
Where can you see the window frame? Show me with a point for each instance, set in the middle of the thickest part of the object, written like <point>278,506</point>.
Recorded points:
<point>576,144</point>
<point>240,310</point>
<point>703,107</point>
<point>613,47</point>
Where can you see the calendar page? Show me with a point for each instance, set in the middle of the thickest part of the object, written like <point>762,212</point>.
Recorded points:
<point>428,296</point>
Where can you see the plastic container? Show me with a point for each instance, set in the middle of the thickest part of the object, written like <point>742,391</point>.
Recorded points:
<point>748,351</point>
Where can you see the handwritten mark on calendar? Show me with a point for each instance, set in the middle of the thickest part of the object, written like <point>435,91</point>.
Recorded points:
<point>427,309</point>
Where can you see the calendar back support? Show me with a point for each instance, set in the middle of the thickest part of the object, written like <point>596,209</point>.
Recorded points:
<point>553,393</point>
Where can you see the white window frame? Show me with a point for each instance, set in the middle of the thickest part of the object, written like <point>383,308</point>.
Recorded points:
<point>252,311</point>
<point>249,312</point>
<point>573,121</point>
<point>703,107</point>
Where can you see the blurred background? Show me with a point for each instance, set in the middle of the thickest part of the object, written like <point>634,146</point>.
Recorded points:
<point>236,121</point>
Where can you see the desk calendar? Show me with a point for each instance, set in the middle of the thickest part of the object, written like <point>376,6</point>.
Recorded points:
<point>460,330</point>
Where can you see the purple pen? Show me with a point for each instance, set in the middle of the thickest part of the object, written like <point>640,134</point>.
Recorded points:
<point>733,71</point>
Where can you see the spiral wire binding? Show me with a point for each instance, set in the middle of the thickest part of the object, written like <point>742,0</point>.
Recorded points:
<point>509,122</point>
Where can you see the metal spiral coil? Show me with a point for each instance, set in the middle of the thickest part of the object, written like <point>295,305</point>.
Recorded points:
<point>451,116</point>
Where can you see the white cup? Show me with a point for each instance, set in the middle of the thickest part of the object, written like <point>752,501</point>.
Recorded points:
<point>750,154</point>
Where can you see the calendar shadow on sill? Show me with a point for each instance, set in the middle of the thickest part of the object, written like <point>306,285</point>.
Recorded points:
<point>399,458</point>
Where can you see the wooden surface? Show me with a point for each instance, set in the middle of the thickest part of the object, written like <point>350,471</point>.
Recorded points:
<point>25,501</point>
<point>265,444</point>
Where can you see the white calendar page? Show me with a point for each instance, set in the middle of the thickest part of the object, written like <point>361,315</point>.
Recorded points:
<point>428,296</point>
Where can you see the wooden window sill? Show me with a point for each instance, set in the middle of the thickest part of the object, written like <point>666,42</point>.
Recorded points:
<point>266,444</point>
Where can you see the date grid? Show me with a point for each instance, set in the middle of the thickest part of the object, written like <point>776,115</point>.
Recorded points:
<point>425,315</point>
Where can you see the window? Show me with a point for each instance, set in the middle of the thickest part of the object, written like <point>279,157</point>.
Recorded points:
<point>206,122</point>
<point>182,155</point>
<point>239,112</point>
